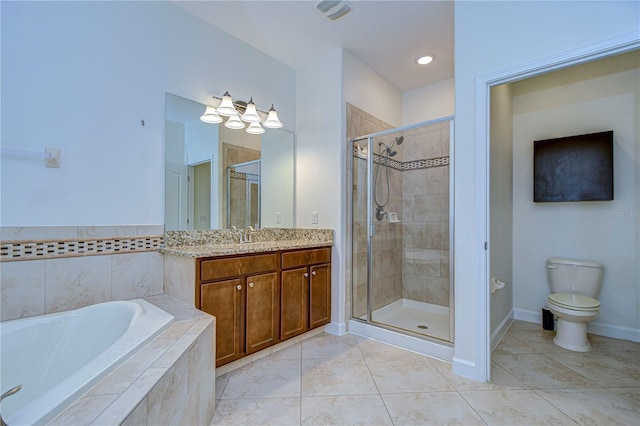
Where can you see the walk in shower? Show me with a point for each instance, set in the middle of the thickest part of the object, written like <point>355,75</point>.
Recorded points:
<point>401,231</point>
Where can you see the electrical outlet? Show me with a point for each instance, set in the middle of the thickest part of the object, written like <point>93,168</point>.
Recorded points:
<point>314,217</point>
<point>278,218</point>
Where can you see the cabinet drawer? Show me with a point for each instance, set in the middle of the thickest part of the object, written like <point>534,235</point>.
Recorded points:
<point>294,259</point>
<point>214,269</point>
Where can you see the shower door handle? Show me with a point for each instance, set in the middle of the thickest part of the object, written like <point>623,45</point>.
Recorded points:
<point>373,230</point>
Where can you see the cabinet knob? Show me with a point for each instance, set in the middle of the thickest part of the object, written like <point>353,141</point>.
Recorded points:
<point>313,273</point>
<point>306,275</point>
<point>238,287</point>
<point>251,285</point>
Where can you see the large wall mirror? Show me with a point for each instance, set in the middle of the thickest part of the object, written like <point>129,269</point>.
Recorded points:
<point>217,178</point>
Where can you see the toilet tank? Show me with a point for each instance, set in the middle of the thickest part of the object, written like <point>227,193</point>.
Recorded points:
<point>575,276</point>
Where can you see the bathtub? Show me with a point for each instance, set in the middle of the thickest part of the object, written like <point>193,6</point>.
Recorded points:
<point>58,357</point>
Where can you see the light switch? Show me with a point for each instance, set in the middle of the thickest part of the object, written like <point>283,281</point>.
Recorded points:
<point>314,217</point>
<point>278,217</point>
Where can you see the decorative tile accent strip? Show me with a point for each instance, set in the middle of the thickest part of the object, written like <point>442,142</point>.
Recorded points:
<point>245,176</point>
<point>50,249</point>
<point>409,165</point>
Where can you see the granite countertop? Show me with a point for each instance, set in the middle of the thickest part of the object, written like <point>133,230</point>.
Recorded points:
<point>209,250</point>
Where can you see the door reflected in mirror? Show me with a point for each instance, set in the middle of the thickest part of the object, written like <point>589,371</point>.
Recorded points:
<point>216,178</point>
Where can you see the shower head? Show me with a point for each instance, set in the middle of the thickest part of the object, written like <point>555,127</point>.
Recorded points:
<point>399,140</point>
<point>392,153</point>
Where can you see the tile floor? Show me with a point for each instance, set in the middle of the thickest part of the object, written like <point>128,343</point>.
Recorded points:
<point>352,380</point>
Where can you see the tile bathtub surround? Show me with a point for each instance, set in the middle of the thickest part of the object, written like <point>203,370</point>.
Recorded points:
<point>331,379</point>
<point>171,380</point>
<point>54,283</point>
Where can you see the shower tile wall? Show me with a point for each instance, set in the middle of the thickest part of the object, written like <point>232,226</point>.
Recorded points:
<point>235,154</point>
<point>361,123</point>
<point>425,218</point>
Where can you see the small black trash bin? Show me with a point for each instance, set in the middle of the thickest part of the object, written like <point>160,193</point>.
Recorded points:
<point>547,320</point>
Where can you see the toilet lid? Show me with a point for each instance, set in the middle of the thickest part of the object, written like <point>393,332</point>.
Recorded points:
<point>574,301</point>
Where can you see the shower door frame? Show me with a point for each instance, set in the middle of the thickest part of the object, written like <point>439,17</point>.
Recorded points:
<point>371,232</point>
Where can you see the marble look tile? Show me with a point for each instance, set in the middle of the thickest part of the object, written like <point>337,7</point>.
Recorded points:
<point>136,393</point>
<point>221,384</point>
<point>136,275</point>
<point>329,346</point>
<point>518,325</point>
<point>438,290</point>
<point>201,358</point>
<point>22,289</point>
<point>169,394</point>
<point>36,233</point>
<point>630,394</point>
<point>600,368</point>
<point>84,410</point>
<point>340,410</point>
<point>593,406</point>
<point>150,230</point>
<point>438,180</point>
<point>85,232</point>
<point>413,373</point>
<point>252,411</point>
<point>540,340</point>
<point>336,376</point>
<point>120,379</point>
<point>138,417</point>
<point>608,344</point>
<point>292,352</point>
<point>516,407</point>
<point>371,348</point>
<point>72,283</point>
<point>538,371</point>
<point>510,345</point>
<point>628,357</point>
<point>206,391</point>
<point>434,408</point>
<point>500,380</point>
<point>265,378</point>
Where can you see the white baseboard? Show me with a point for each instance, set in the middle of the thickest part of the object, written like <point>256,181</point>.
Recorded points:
<point>337,329</point>
<point>465,368</point>
<point>501,330</point>
<point>607,330</point>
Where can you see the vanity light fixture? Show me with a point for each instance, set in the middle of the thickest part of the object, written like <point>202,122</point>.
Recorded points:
<point>210,116</point>
<point>251,114</point>
<point>234,123</point>
<point>272,121</point>
<point>240,111</point>
<point>226,107</point>
<point>255,128</point>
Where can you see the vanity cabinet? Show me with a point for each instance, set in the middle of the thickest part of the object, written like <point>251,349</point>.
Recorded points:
<point>305,289</point>
<point>243,293</point>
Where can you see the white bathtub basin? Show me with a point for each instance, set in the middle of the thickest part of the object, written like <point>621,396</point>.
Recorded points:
<point>58,357</point>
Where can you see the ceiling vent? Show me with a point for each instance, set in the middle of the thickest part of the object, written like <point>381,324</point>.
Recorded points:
<point>333,9</point>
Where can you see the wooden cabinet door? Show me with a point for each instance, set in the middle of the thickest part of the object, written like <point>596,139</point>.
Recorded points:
<point>223,300</point>
<point>319,296</point>
<point>294,306</point>
<point>262,311</point>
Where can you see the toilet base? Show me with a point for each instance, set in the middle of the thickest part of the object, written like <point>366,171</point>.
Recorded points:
<point>572,336</point>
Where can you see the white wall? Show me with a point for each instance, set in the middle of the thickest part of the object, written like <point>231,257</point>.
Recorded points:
<point>501,176</point>
<point>320,162</point>
<point>599,96</point>
<point>367,90</point>
<point>91,71</point>
<point>428,102</point>
<point>492,37</point>
<point>201,140</point>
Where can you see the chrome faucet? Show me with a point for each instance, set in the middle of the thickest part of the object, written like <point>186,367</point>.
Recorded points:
<point>247,234</point>
<point>239,234</point>
<point>10,392</point>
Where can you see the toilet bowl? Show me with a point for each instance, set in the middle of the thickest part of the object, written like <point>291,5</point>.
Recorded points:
<point>575,284</point>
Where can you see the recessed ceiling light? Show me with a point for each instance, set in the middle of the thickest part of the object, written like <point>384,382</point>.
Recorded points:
<point>424,59</point>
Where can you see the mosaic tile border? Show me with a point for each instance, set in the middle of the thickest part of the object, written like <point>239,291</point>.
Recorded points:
<point>409,165</point>
<point>53,249</point>
<point>245,176</point>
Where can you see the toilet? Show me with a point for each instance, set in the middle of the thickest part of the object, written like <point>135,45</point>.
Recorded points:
<point>575,284</point>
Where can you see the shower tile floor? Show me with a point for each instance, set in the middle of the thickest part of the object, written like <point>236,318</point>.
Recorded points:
<point>349,379</point>
<point>413,316</point>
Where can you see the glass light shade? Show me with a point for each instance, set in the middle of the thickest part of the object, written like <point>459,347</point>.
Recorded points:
<point>210,116</point>
<point>234,123</point>
<point>251,114</point>
<point>272,121</point>
<point>226,107</point>
<point>255,128</point>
